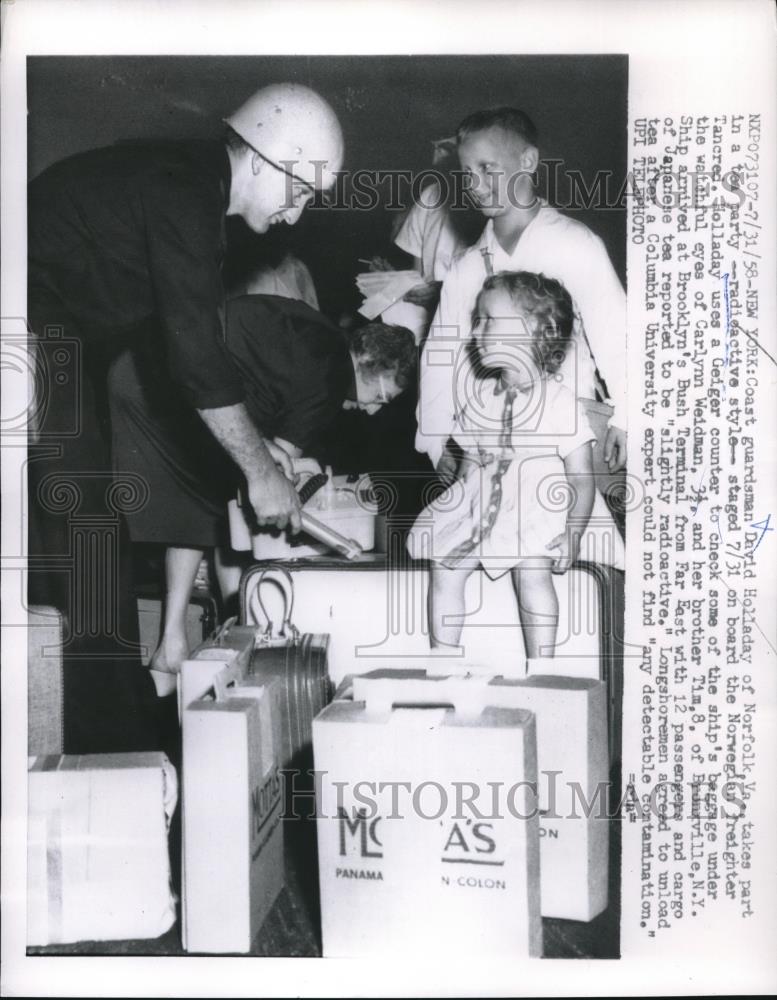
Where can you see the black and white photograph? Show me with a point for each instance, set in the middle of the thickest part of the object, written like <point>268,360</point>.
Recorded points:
<point>386,532</point>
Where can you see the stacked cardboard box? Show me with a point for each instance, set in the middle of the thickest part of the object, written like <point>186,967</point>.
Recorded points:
<point>572,760</point>
<point>98,867</point>
<point>402,869</point>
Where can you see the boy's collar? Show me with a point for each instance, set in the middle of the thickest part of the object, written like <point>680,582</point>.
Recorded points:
<point>488,240</point>
<point>486,237</point>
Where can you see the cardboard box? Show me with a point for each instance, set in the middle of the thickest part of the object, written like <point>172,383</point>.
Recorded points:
<point>417,876</point>
<point>45,681</point>
<point>299,664</point>
<point>98,867</point>
<point>573,772</point>
<point>233,837</point>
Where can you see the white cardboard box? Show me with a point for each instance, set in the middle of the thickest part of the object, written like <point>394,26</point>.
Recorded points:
<point>422,882</point>
<point>233,838</point>
<point>573,771</point>
<point>98,867</point>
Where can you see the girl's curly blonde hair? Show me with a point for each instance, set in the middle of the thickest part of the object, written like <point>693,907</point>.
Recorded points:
<point>549,311</point>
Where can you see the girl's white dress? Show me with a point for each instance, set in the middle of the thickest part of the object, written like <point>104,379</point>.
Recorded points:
<point>513,494</point>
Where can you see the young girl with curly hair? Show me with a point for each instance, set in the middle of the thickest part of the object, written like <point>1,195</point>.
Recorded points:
<point>525,490</point>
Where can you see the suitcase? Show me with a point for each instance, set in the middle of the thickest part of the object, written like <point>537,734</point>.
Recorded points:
<point>374,609</point>
<point>297,659</point>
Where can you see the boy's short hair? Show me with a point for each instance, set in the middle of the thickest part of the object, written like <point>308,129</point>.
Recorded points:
<point>510,120</point>
<point>549,308</point>
<point>384,349</point>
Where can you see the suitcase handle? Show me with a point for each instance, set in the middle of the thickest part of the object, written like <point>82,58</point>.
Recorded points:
<point>467,696</point>
<point>232,674</point>
<point>256,611</point>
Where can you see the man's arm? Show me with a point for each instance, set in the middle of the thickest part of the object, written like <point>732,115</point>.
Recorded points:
<point>183,214</point>
<point>270,491</point>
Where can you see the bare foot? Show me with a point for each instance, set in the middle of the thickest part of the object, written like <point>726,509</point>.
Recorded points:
<point>170,654</point>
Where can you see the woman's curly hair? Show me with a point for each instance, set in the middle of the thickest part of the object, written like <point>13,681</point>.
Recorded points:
<point>549,310</point>
<point>383,349</point>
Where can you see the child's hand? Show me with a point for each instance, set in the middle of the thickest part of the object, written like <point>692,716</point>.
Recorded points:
<point>426,295</point>
<point>615,449</point>
<point>568,546</point>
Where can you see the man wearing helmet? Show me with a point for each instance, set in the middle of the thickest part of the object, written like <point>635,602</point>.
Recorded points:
<point>120,241</point>
<point>281,152</point>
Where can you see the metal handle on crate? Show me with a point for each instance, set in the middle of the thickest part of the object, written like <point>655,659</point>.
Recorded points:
<point>280,577</point>
<point>466,695</point>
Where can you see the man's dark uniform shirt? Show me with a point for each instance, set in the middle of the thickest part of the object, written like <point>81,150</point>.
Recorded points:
<point>123,243</point>
<point>124,236</point>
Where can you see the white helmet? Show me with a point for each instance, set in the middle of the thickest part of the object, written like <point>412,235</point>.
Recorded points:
<point>294,128</point>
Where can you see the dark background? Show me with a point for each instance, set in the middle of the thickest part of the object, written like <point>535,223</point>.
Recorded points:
<point>391,107</point>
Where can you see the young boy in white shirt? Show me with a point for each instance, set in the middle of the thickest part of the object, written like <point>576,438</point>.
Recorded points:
<point>498,154</point>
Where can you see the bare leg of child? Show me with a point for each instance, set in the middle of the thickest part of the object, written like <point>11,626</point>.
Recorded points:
<point>537,606</point>
<point>446,601</point>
